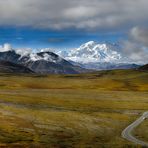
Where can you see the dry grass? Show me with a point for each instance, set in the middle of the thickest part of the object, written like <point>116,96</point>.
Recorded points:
<point>141,132</point>
<point>80,111</point>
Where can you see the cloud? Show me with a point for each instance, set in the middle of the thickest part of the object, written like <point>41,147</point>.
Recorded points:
<point>55,40</point>
<point>5,47</point>
<point>136,47</point>
<point>23,51</point>
<point>77,14</point>
<point>140,35</point>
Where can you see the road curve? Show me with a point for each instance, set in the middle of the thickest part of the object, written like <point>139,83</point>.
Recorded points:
<point>127,132</point>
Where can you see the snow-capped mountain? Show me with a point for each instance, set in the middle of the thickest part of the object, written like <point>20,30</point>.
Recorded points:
<point>93,52</point>
<point>92,55</point>
<point>88,56</point>
<point>41,62</point>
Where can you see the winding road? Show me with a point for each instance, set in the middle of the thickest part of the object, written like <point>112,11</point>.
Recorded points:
<point>127,133</point>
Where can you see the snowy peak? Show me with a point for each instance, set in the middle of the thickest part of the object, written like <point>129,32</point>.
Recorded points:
<point>94,52</point>
<point>46,56</point>
<point>89,45</point>
<point>29,55</point>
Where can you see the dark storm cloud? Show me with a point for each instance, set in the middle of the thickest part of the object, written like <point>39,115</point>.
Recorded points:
<point>78,14</point>
<point>55,40</point>
<point>140,35</point>
<point>136,47</point>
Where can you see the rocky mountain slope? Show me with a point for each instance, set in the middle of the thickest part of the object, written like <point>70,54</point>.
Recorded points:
<point>8,67</point>
<point>42,62</point>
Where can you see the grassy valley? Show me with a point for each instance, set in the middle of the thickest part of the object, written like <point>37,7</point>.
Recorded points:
<point>78,111</point>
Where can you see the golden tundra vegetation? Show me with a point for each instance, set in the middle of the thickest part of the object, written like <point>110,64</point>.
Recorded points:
<point>72,111</point>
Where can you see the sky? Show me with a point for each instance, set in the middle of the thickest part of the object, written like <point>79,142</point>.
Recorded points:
<point>65,24</point>
<point>37,38</point>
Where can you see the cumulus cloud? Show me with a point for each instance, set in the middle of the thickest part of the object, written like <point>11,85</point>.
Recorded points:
<point>23,51</point>
<point>136,47</point>
<point>78,14</point>
<point>5,47</point>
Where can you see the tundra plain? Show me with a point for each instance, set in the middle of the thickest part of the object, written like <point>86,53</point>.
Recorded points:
<point>72,111</point>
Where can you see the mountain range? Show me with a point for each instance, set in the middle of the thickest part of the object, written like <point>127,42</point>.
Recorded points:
<point>89,56</point>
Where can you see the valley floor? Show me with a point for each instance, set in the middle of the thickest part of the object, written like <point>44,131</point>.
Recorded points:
<point>78,111</point>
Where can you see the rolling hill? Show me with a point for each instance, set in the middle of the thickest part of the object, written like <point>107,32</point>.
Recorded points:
<point>144,67</point>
